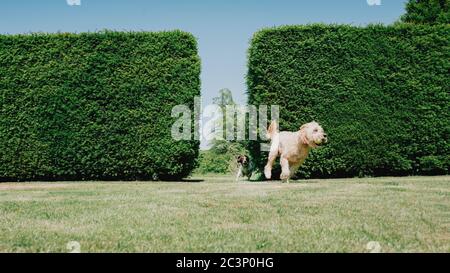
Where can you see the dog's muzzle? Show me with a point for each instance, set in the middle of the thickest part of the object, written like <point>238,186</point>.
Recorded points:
<point>323,141</point>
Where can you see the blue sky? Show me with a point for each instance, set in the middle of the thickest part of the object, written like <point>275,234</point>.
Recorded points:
<point>223,28</point>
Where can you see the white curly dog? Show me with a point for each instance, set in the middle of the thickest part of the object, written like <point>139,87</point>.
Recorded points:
<point>292,147</point>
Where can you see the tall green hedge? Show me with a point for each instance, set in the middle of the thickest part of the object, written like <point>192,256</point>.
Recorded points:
<point>95,105</point>
<point>380,92</point>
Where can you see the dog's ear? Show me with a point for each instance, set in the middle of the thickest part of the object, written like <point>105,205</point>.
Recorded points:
<point>272,130</point>
<point>303,138</point>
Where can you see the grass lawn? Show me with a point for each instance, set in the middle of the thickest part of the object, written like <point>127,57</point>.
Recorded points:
<point>215,214</point>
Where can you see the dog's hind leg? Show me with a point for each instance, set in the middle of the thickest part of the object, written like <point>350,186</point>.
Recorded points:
<point>293,169</point>
<point>270,162</point>
<point>274,146</point>
<point>285,171</point>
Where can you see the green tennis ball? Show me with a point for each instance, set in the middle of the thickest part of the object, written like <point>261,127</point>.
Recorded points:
<point>318,141</point>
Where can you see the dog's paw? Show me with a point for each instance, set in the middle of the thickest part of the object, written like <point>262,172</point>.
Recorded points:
<point>284,176</point>
<point>268,173</point>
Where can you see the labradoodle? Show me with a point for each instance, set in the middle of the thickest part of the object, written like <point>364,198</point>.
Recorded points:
<point>292,147</point>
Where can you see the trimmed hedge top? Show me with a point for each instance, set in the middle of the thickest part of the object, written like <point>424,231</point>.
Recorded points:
<point>95,105</point>
<point>380,92</point>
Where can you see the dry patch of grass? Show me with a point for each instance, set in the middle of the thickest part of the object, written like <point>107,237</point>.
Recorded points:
<point>30,186</point>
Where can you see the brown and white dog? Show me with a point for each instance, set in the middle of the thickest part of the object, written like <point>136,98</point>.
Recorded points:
<point>244,168</point>
<point>292,147</point>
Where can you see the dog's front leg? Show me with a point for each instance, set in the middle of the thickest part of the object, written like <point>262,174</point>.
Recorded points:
<point>285,172</point>
<point>239,173</point>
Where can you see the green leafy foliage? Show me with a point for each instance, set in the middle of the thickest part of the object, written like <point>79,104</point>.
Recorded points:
<point>95,105</point>
<point>427,12</point>
<point>222,155</point>
<point>221,158</point>
<point>381,93</point>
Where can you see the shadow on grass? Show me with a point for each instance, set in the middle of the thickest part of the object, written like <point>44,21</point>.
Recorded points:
<point>183,181</point>
<point>104,181</point>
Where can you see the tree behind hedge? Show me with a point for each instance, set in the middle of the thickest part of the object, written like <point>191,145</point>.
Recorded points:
<point>222,153</point>
<point>427,12</point>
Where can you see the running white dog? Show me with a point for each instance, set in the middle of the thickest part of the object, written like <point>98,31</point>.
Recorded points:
<point>292,147</point>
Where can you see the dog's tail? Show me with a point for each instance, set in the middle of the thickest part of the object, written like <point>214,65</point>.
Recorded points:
<point>272,130</point>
